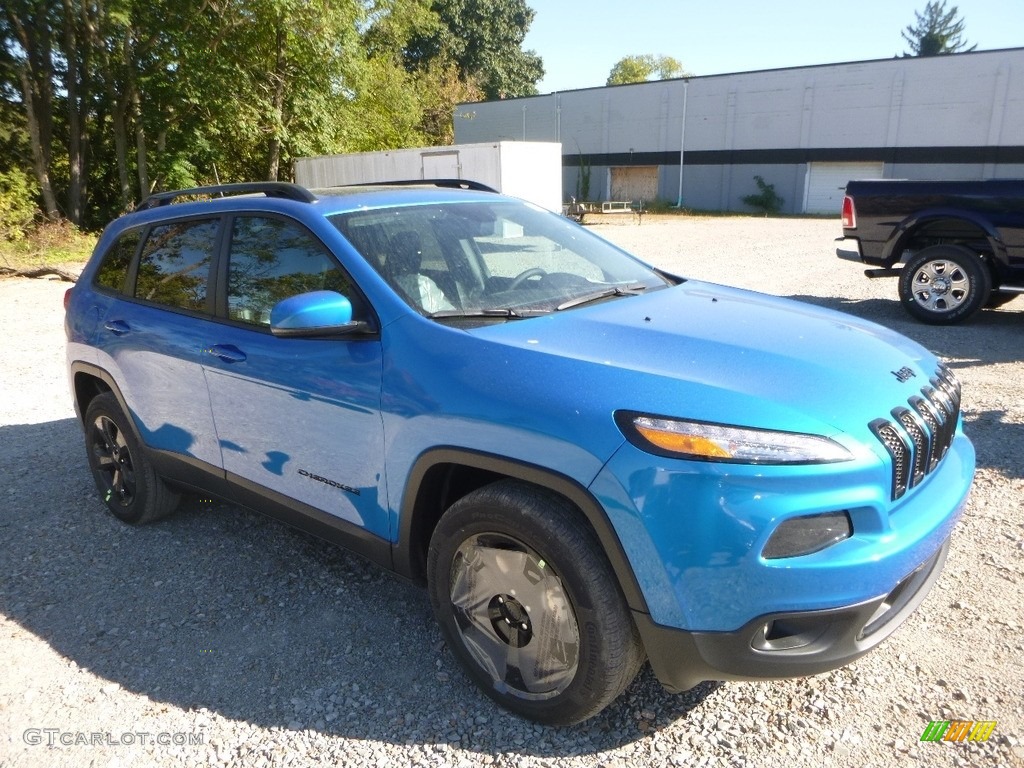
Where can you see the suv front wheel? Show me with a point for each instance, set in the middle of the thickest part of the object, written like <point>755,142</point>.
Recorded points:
<point>529,605</point>
<point>126,480</point>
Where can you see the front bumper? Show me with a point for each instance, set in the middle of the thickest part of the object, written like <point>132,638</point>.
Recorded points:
<point>694,535</point>
<point>783,645</point>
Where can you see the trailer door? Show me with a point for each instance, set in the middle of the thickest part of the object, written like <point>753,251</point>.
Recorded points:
<point>441,165</point>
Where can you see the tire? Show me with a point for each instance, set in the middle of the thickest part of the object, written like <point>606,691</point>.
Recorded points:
<point>944,284</point>
<point>529,604</point>
<point>126,480</point>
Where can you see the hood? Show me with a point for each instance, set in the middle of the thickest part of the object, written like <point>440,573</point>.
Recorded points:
<point>713,353</point>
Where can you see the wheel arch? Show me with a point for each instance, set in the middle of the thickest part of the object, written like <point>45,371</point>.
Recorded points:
<point>88,381</point>
<point>943,227</point>
<point>441,476</point>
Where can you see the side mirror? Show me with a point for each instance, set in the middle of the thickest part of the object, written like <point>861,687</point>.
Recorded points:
<point>314,314</point>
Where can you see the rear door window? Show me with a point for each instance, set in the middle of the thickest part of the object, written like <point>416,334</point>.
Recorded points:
<point>174,268</point>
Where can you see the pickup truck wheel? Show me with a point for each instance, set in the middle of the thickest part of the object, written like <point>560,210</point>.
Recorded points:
<point>529,605</point>
<point>126,480</point>
<point>944,284</point>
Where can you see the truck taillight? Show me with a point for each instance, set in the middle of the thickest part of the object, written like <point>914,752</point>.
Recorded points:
<point>67,298</point>
<point>849,213</point>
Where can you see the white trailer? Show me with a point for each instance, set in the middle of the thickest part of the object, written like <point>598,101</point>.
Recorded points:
<point>531,170</point>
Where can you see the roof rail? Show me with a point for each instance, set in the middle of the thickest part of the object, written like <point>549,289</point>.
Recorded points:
<point>279,189</point>
<point>447,183</point>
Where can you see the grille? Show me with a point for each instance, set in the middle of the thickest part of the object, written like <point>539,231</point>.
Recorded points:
<point>917,437</point>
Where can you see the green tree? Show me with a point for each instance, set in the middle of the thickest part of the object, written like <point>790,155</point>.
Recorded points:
<point>436,86</point>
<point>639,69</point>
<point>27,43</point>
<point>102,103</point>
<point>440,90</point>
<point>295,66</point>
<point>391,24</point>
<point>936,31</point>
<point>483,39</point>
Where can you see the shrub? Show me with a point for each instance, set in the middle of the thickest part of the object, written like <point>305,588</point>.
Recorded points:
<point>582,177</point>
<point>17,204</point>
<point>767,200</point>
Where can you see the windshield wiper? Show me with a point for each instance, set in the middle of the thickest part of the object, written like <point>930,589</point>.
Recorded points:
<point>619,290</point>
<point>516,314</point>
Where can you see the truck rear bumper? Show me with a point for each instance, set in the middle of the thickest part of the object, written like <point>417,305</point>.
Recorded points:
<point>848,249</point>
<point>786,645</point>
<point>852,249</point>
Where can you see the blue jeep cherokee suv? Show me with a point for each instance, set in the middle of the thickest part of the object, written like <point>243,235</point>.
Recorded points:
<point>587,461</point>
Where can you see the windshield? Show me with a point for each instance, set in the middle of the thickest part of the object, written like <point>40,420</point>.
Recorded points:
<point>504,259</point>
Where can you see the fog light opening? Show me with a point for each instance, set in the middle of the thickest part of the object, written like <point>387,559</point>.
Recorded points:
<point>807,534</point>
<point>788,633</point>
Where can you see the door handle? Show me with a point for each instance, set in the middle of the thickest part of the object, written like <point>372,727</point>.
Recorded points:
<point>229,353</point>
<point>117,327</point>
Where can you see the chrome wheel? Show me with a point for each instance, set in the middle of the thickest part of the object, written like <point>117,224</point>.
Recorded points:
<point>113,463</point>
<point>941,286</point>
<point>514,616</point>
<point>945,284</point>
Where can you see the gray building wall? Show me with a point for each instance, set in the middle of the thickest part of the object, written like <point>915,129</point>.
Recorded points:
<point>957,116</point>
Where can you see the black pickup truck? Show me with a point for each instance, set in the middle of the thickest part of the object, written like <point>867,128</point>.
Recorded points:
<point>960,243</point>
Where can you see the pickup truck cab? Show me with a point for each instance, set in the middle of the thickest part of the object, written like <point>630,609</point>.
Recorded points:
<point>955,245</point>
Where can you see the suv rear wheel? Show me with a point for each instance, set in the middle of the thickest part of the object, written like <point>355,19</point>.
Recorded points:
<point>529,605</point>
<point>126,480</point>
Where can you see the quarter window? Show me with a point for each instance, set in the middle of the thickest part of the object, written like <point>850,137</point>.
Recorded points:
<point>273,259</point>
<point>113,270</point>
<point>175,264</point>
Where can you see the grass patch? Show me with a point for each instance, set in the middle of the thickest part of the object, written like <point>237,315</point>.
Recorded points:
<point>47,245</point>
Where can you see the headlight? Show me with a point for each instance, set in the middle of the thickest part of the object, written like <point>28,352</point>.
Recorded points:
<point>717,442</point>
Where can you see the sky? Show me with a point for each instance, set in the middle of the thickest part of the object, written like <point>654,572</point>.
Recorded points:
<point>581,41</point>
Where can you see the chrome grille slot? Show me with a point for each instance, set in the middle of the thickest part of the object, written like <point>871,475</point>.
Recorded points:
<point>936,393</point>
<point>899,450</point>
<point>931,418</point>
<point>919,436</point>
<point>947,421</point>
<point>950,386</point>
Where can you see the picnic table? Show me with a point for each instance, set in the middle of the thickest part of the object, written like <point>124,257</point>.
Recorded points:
<point>577,210</point>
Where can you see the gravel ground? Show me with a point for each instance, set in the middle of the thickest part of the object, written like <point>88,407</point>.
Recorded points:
<point>220,638</point>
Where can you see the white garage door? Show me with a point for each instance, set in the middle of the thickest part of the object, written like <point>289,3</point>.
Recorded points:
<point>826,182</point>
